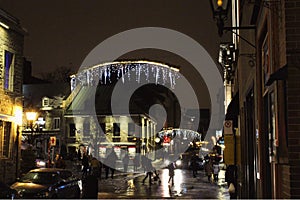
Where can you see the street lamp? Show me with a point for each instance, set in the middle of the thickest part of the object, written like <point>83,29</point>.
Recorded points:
<point>220,10</point>
<point>31,117</point>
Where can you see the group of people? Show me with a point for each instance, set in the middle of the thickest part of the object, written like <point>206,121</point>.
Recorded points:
<point>212,169</point>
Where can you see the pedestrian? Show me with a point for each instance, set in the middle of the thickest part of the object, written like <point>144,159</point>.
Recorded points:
<point>95,167</point>
<point>85,165</point>
<point>148,168</point>
<point>110,163</point>
<point>125,162</point>
<point>59,162</point>
<point>136,162</point>
<point>216,170</point>
<point>144,162</point>
<point>208,169</point>
<point>171,168</point>
<point>194,165</point>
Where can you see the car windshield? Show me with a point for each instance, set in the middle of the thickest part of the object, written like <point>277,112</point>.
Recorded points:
<point>40,177</point>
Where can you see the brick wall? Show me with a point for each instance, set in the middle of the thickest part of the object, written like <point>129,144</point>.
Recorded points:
<point>11,40</point>
<point>292,16</point>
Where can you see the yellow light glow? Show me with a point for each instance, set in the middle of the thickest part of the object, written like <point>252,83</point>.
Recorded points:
<point>220,3</point>
<point>31,116</point>
<point>18,115</point>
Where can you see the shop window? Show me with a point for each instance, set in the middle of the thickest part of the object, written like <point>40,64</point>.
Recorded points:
<point>8,71</point>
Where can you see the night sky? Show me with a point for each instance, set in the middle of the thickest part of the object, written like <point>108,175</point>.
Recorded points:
<point>62,33</point>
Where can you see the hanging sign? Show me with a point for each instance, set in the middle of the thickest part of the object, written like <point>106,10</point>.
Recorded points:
<point>228,127</point>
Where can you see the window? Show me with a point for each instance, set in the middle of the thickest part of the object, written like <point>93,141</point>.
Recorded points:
<point>6,139</point>
<point>56,123</point>
<point>103,127</point>
<point>8,70</point>
<point>72,132</point>
<point>131,129</point>
<point>116,129</point>
<point>45,102</point>
<point>86,128</point>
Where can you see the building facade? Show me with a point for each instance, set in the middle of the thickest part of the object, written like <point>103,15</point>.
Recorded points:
<point>11,62</point>
<point>265,98</point>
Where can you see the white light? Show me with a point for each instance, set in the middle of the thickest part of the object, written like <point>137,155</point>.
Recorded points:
<point>4,25</point>
<point>178,163</point>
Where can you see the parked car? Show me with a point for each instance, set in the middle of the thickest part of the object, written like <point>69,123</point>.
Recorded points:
<point>6,192</point>
<point>48,183</point>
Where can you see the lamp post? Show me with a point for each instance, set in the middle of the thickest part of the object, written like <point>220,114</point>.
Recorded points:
<point>31,117</point>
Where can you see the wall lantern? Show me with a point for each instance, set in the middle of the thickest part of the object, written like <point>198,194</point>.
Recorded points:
<point>220,10</point>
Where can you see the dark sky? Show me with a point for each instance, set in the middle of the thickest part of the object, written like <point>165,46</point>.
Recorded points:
<point>62,33</point>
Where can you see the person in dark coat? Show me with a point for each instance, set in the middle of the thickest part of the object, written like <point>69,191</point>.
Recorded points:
<point>125,162</point>
<point>85,165</point>
<point>171,168</point>
<point>110,163</point>
<point>149,170</point>
<point>136,162</point>
<point>194,165</point>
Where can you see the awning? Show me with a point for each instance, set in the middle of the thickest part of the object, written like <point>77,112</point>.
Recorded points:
<point>280,74</point>
<point>233,110</point>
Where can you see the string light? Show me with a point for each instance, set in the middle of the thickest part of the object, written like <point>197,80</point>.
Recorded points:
<point>162,73</point>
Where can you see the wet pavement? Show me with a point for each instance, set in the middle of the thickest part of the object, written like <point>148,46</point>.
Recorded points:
<point>130,186</point>
<point>185,187</point>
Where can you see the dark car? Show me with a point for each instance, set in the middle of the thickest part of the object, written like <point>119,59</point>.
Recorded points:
<point>48,183</point>
<point>6,192</point>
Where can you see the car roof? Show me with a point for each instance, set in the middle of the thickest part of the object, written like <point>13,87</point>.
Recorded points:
<point>48,170</point>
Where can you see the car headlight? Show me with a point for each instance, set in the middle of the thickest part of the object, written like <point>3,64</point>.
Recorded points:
<point>178,163</point>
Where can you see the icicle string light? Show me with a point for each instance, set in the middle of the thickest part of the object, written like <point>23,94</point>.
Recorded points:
<point>144,70</point>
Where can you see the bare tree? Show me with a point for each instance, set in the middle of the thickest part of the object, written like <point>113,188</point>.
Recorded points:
<point>60,74</point>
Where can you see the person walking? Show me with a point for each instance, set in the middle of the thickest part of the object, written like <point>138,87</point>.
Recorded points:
<point>110,163</point>
<point>59,162</point>
<point>136,162</point>
<point>85,165</point>
<point>208,169</point>
<point>194,165</point>
<point>171,168</point>
<point>125,162</point>
<point>148,168</point>
<point>216,170</point>
<point>95,166</point>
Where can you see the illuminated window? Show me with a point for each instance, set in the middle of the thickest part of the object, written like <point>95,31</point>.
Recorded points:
<point>8,71</point>
<point>45,102</point>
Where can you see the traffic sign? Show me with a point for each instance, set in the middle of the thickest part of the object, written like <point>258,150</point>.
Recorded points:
<point>52,141</point>
<point>228,127</point>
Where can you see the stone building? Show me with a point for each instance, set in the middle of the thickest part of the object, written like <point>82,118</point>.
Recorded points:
<point>11,63</point>
<point>264,85</point>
